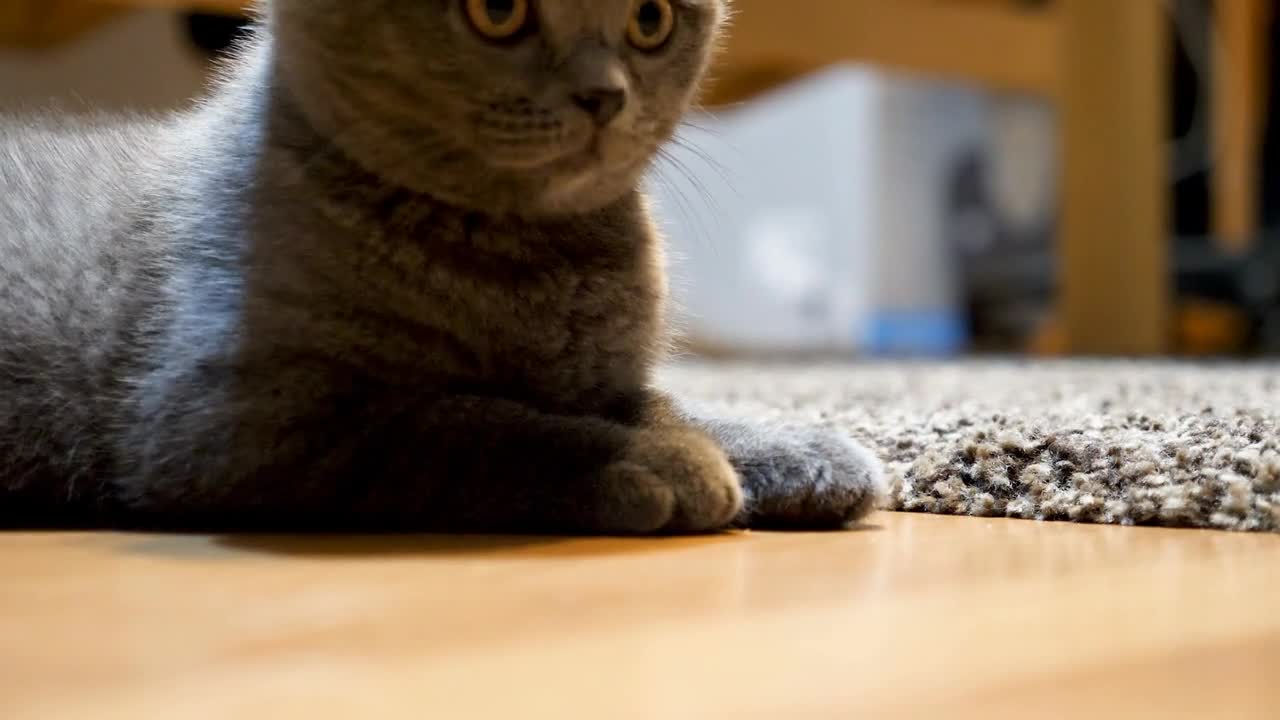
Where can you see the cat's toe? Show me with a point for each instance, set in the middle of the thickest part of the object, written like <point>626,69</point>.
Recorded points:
<point>804,477</point>
<point>855,485</point>
<point>671,481</point>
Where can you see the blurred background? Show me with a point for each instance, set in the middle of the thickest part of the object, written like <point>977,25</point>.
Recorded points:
<point>891,177</point>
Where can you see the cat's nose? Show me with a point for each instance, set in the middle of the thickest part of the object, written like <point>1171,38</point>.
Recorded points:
<point>602,103</point>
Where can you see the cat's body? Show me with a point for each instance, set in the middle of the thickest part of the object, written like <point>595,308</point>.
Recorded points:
<point>274,312</point>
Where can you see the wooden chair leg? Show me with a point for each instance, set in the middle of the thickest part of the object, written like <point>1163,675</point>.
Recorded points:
<point>1114,254</point>
<point>1239,101</point>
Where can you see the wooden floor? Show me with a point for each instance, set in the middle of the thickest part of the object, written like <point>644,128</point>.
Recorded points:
<point>914,616</point>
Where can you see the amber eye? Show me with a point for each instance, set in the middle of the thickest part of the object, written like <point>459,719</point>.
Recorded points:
<point>498,19</point>
<point>651,23</point>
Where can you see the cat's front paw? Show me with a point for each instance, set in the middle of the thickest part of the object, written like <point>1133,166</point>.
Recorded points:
<point>670,480</point>
<point>800,477</point>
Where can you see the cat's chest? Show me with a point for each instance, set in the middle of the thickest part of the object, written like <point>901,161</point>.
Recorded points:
<point>560,312</point>
<point>547,317</point>
<point>562,329</point>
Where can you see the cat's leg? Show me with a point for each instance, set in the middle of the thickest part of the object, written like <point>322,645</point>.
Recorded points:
<point>442,463</point>
<point>498,465</point>
<point>793,476</point>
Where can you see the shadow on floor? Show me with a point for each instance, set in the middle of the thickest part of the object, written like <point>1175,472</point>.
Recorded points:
<point>354,546</point>
<point>351,547</point>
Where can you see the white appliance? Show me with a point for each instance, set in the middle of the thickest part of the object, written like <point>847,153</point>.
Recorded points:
<point>812,219</point>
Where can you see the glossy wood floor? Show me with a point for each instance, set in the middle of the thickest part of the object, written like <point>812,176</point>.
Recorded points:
<point>914,616</point>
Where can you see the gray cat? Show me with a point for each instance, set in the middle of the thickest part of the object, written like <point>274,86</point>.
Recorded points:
<point>394,274</point>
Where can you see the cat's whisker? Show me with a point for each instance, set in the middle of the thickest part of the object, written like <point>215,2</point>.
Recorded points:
<point>719,168</point>
<point>687,216</point>
<point>697,181</point>
<point>711,130</point>
<point>712,210</point>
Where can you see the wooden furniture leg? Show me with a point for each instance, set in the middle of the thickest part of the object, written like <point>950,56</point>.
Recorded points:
<point>1114,267</point>
<point>1239,101</point>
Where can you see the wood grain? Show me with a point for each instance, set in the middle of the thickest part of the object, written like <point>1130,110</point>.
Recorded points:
<point>915,616</point>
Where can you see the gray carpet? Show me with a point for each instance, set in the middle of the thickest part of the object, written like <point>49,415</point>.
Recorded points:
<point>1104,442</point>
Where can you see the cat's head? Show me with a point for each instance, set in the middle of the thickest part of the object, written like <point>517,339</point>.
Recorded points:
<point>527,106</point>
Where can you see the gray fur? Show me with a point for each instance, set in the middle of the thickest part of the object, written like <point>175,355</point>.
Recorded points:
<point>388,276</point>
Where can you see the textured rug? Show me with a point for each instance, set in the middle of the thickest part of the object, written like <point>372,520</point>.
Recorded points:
<point>1104,442</point>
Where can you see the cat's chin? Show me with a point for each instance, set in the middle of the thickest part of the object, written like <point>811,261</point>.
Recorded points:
<point>543,159</point>
<point>588,190</point>
<point>581,180</point>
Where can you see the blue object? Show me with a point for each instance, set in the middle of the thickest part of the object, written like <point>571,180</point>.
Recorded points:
<point>916,332</point>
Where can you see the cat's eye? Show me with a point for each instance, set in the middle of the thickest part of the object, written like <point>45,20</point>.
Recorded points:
<point>498,19</point>
<point>651,25</point>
